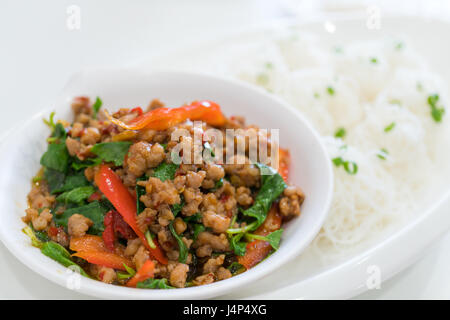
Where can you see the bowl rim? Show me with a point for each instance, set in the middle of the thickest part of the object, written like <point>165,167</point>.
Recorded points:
<point>99,289</point>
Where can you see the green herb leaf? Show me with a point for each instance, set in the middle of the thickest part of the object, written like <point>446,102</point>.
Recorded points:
<point>373,60</point>
<point>382,154</point>
<point>77,195</point>
<point>140,191</point>
<point>436,112</point>
<point>112,151</point>
<point>96,107</point>
<point>94,211</point>
<point>154,284</point>
<point>239,247</point>
<point>198,228</point>
<point>330,90</point>
<point>274,238</point>
<point>182,246</point>
<point>165,171</point>
<point>389,127</point>
<point>349,166</point>
<point>195,218</point>
<point>56,157</point>
<point>60,254</point>
<point>126,275</point>
<point>50,122</point>
<point>35,242</point>
<point>340,133</point>
<point>272,187</point>
<point>236,268</point>
<point>55,180</point>
<point>92,162</point>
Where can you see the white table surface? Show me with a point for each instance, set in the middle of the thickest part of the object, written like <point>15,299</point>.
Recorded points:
<point>38,53</point>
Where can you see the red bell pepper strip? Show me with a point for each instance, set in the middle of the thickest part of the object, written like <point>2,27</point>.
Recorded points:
<point>284,161</point>
<point>92,249</point>
<point>114,190</point>
<point>164,118</point>
<point>257,250</point>
<point>144,273</point>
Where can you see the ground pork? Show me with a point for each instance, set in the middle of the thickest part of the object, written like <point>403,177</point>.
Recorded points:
<point>132,247</point>
<point>90,136</point>
<point>193,198</point>
<point>73,146</point>
<point>244,196</point>
<point>218,223</point>
<point>204,279</point>
<point>291,201</point>
<point>141,256</point>
<point>178,275</point>
<point>104,274</point>
<point>78,225</point>
<point>145,218</point>
<point>223,274</point>
<point>194,179</point>
<point>143,156</point>
<point>39,197</point>
<point>213,264</point>
<point>40,221</point>
<point>216,242</point>
<point>165,215</point>
<point>159,192</point>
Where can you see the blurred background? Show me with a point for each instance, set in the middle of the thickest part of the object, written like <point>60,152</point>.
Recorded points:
<point>44,42</point>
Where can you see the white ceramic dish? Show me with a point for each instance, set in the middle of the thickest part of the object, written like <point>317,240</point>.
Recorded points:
<point>121,88</point>
<point>349,277</point>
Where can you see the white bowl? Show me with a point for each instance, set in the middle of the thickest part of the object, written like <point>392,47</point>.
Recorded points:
<point>310,169</point>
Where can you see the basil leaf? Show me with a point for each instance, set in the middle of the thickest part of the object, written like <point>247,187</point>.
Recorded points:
<point>176,208</point>
<point>272,187</point>
<point>78,165</point>
<point>59,132</point>
<point>274,238</point>
<point>198,228</point>
<point>56,157</point>
<point>239,247</point>
<point>236,268</point>
<point>154,284</point>
<point>112,151</point>
<point>182,247</point>
<point>74,181</point>
<point>60,254</point>
<point>94,211</point>
<point>77,195</point>
<point>55,180</point>
<point>140,191</point>
<point>165,171</point>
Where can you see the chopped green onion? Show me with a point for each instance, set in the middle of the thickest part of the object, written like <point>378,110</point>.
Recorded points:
<point>50,122</point>
<point>330,90</point>
<point>349,166</point>
<point>389,127</point>
<point>340,133</point>
<point>374,60</point>
<point>149,238</point>
<point>436,112</point>
<point>382,154</point>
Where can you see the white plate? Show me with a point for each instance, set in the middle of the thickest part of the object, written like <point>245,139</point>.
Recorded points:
<point>119,88</point>
<point>350,277</point>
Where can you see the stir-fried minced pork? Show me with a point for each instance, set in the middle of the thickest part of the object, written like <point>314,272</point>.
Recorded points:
<point>113,197</point>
